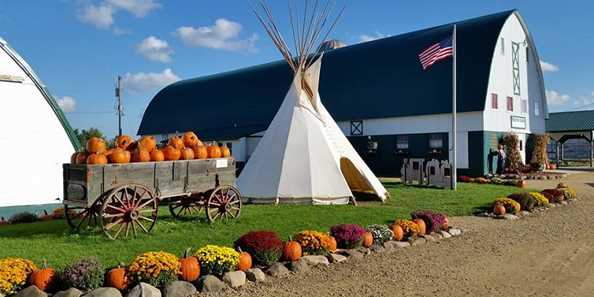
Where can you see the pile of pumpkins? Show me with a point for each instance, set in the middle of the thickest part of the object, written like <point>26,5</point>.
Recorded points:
<point>126,150</point>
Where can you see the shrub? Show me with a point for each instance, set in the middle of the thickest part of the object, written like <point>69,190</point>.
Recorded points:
<point>464,179</point>
<point>433,220</point>
<point>511,206</point>
<point>348,236</point>
<point>409,228</point>
<point>540,198</point>
<point>526,201</point>
<point>313,242</point>
<point>569,193</point>
<point>381,233</point>
<point>84,274</point>
<point>13,274</point>
<point>155,268</point>
<point>554,195</point>
<point>513,161</point>
<point>265,247</point>
<point>217,260</point>
<point>23,217</point>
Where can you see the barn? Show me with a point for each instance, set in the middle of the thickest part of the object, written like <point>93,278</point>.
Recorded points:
<point>384,102</point>
<point>36,138</point>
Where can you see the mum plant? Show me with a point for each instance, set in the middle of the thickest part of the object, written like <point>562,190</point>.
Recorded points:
<point>554,195</point>
<point>540,198</point>
<point>314,242</point>
<point>216,259</point>
<point>14,273</point>
<point>155,268</point>
<point>511,206</point>
<point>409,228</point>
<point>265,247</point>
<point>84,274</point>
<point>526,201</point>
<point>434,221</point>
<point>380,233</point>
<point>348,236</point>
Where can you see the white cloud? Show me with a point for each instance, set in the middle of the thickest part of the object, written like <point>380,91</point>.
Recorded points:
<point>144,82</point>
<point>99,16</point>
<point>138,8</point>
<point>119,31</point>
<point>67,103</point>
<point>548,67</point>
<point>223,34</point>
<point>102,15</point>
<point>367,37</point>
<point>555,98</point>
<point>155,49</point>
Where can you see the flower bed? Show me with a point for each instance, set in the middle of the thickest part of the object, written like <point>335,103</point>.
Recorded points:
<point>265,247</point>
<point>348,236</point>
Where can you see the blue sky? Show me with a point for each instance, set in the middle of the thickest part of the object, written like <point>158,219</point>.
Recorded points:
<point>78,47</point>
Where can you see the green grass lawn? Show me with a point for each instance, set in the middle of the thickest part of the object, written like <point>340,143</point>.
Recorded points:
<point>54,242</point>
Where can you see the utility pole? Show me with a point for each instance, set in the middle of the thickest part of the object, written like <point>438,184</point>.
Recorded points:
<point>454,173</point>
<point>120,108</point>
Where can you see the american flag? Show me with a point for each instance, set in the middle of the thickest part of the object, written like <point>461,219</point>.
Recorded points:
<point>436,52</point>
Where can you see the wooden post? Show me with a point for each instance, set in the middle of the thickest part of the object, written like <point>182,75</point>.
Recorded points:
<point>592,148</point>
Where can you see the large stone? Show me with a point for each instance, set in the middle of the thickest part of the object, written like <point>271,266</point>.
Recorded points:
<point>72,292</point>
<point>315,260</point>
<point>144,290</point>
<point>31,291</point>
<point>234,279</point>
<point>364,250</point>
<point>418,241</point>
<point>429,237</point>
<point>445,234</point>
<point>455,231</point>
<point>352,254</point>
<point>336,258</point>
<point>525,213</point>
<point>278,270</point>
<point>179,289</point>
<point>507,216</point>
<point>104,292</point>
<point>399,244</point>
<point>299,266</point>
<point>376,248</point>
<point>255,275</point>
<point>210,284</point>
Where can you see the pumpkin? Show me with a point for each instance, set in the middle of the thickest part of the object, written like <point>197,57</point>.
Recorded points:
<point>79,158</point>
<point>245,261</point>
<point>214,151</point>
<point>96,159</point>
<point>96,145</point>
<point>190,139</point>
<point>332,244</point>
<point>176,142</point>
<point>446,224</point>
<point>292,251</point>
<point>499,209</point>
<point>123,141</point>
<point>187,154</point>
<point>117,278</point>
<point>422,226</point>
<point>398,232</point>
<point>157,155</point>
<point>148,143</point>
<point>141,155</point>
<point>119,156</point>
<point>171,153</point>
<point>43,278</point>
<point>200,152</point>
<point>189,267</point>
<point>225,152</point>
<point>367,239</point>
<point>521,183</point>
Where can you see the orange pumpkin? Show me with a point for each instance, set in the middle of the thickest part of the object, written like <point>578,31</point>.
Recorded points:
<point>367,239</point>
<point>214,151</point>
<point>187,154</point>
<point>117,278</point>
<point>96,145</point>
<point>141,155</point>
<point>225,152</point>
<point>43,278</point>
<point>123,141</point>
<point>332,244</point>
<point>119,156</point>
<point>157,155</point>
<point>521,183</point>
<point>446,224</point>
<point>79,158</point>
<point>245,261</point>
<point>422,227</point>
<point>398,232</point>
<point>96,159</point>
<point>200,152</point>
<point>171,153</point>
<point>189,267</point>
<point>149,143</point>
<point>190,139</point>
<point>499,209</point>
<point>176,142</point>
<point>292,251</point>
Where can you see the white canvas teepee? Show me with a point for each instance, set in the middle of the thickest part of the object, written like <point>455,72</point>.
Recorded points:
<point>304,157</point>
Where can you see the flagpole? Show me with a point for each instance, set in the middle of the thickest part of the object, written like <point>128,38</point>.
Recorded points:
<point>454,128</point>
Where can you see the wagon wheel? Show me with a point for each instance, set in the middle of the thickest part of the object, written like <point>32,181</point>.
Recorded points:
<point>224,202</point>
<point>79,218</point>
<point>127,210</point>
<point>182,207</point>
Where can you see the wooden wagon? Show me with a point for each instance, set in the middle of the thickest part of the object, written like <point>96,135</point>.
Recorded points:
<point>123,199</point>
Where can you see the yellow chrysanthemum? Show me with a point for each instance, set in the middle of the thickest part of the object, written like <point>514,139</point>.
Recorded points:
<point>14,273</point>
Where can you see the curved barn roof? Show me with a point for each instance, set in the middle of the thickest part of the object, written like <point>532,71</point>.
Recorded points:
<point>376,79</point>
<point>570,121</point>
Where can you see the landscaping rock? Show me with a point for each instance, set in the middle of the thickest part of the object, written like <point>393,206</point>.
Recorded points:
<point>144,290</point>
<point>179,289</point>
<point>445,234</point>
<point>418,241</point>
<point>352,254</point>
<point>234,279</point>
<point>436,236</point>
<point>525,213</point>
<point>255,275</point>
<point>509,216</point>
<point>364,250</point>
<point>336,258</point>
<point>455,231</point>
<point>210,284</point>
<point>376,248</point>
<point>399,244</point>
<point>72,292</point>
<point>299,266</point>
<point>278,270</point>
<point>315,260</point>
<point>564,203</point>
<point>104,292</point>
<point>31,291</point>
<point>429,238</point>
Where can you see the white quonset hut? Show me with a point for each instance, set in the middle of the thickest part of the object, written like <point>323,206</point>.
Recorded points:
<point>35,138</point>
<point>382,99</point>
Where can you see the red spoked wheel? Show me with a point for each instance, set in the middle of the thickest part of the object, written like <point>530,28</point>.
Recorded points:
<point>128,210</point>
<point>224,202</point>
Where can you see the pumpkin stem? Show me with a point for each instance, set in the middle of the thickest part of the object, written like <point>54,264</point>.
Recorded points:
<point>44,264</point>
<point>187,252</point>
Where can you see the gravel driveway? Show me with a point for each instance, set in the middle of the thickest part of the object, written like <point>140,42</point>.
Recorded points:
<point>546,254</point>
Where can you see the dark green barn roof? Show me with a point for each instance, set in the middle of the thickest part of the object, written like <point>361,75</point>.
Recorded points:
<point>570,121</point>
<point>377,79</point>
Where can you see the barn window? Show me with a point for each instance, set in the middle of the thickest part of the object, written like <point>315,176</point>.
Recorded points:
<point>510,103</point>
<point>356,127</point>
<point>494,103</point>
<point>435,141</point>
<point>402,142</point>
<point>516,67</point>
<point>524,106</point>
<point>536,108</point>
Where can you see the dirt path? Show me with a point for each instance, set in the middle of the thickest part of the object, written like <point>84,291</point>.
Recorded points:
<point>548,254</point>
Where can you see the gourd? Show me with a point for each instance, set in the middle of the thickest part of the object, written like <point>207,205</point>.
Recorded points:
<point>96,159</point>
<point>190,139</point>
<point>422,226</point>
<point>214,151</point>
<point>171,153</point>
<point>189,267</point>
<point>117,278</point>
<point>123,141</point>
<point>367,239</point>
<point>120,156</point>
<point>225,152</point>
<point>398,232</point>
<point>499,209</point>
<point>141,155</point>
<point>187,154</point>
<point>149,143</point>
<point>43,278</point>
<point>96,145</point>
<point>245,261</point>
<point>292,251</point>
<point>157,155</point>
<point>200,152</point>
<point>176,142</point>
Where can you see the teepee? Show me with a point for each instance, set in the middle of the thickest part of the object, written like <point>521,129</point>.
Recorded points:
<point>303,156</point>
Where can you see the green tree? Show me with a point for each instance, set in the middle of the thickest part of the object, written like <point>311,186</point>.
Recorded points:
<point>84,134</point>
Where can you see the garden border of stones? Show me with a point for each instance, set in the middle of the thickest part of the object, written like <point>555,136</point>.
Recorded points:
<point>524,213</point>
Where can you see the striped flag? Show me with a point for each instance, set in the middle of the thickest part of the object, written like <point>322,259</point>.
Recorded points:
<point>436,52</point>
